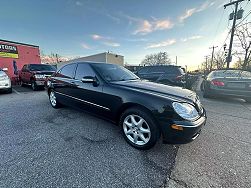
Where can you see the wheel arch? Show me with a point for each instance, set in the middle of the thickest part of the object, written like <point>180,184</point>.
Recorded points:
<point>128,105</point>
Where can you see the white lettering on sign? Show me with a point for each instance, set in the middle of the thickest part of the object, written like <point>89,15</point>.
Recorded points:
<point>8,47</point>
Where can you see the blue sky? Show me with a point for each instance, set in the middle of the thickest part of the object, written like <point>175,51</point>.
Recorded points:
<point>132,28</point>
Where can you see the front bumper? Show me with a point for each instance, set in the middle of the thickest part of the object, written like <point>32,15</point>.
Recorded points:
<point>40,82</point>
<point>188,132</point>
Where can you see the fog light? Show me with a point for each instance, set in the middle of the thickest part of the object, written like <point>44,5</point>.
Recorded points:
<point>176,127</point>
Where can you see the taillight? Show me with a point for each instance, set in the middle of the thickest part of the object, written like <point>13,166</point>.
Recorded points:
<point>178,78</point>
<point>217,83</point>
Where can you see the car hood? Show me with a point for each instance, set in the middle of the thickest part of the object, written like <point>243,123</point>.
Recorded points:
<point>171,92</point>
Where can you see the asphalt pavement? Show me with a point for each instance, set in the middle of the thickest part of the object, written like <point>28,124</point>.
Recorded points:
<point>221,155</point>
<point>45,147</point>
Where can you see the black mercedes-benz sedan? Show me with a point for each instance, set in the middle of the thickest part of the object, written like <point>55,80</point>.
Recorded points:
<point>232,83</point>
<point>144,110</point>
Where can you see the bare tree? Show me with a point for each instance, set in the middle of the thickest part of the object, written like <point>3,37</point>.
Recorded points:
<point>52,58</point>
<point>220,60</point>
<point>160,58</point>
<point>243,32</point>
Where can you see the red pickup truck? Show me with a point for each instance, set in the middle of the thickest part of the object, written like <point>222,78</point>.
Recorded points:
<point>35,75</point>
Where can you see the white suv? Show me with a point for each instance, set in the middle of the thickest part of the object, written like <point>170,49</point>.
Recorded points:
<point>5,82</point>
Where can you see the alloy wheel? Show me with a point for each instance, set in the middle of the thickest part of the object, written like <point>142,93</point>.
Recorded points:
<point>53,99</point>
<point>136,130</point>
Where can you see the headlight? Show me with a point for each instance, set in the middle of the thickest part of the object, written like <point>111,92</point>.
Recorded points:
<point>39,76</point>
<point>185,110</point>
<point>4,77</point>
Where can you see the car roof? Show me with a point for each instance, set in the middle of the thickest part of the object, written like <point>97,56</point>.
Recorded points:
<point>38,64</point>
<point>162,66</point>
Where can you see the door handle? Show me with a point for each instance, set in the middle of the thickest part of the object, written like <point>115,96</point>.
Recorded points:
<point>74,83</point>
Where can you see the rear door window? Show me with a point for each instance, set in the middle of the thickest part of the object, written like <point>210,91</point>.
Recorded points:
<point>84,70</point>
<point>67,71</point>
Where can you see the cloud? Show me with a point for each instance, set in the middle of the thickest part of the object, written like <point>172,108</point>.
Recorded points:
<point>136,39</point>
<point>162,44</point>
<point>112,44</point>
<point>105,40</point>
<point>163,24</point>
<point>78,3</point>
<point>146,26</point>
<point>97,37</point>
<point>115,19</point>
<point>192,38</point>
<point>189,12</point>
<point>85,46</point>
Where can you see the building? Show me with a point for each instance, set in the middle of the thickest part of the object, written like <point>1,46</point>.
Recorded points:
<point>13,55</point>
<point>105,57</point>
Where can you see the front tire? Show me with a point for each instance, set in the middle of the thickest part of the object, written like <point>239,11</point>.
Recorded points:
<point>34,85</point>
<point>9,90</point>
<point>53,100</point>
<point>139,128</point>
<point>21,83</point>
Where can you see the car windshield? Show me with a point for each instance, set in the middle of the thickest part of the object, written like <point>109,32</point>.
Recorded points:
<point>42,68</point>
<point>112,73</point>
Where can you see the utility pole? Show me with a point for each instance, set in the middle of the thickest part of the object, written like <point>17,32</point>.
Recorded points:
<point>57,58</point>
<point>176,60</point>
<point>236,3</point>
<point>213,47</point>
<point>206,62</point>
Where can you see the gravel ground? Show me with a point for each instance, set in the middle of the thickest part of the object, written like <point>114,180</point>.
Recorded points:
<point>44,147</point>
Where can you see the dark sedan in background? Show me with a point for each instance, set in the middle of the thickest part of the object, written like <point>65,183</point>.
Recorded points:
<point>232,83</point>
<point>164,74</point>
<point>144,110</point>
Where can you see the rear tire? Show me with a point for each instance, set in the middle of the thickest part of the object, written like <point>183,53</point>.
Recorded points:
<point>139,128</point>
<point>205,95</point>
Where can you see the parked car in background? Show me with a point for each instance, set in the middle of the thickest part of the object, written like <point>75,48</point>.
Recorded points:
<point>35,75</point>
<point>5,82</point>
<point>164,74</point>
<point>144,110</point>
<point>233,83</point>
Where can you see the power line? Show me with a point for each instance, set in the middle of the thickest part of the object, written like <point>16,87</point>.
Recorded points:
<point>217,28</point>
<point>244,18</point>
<point>225,40</point>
